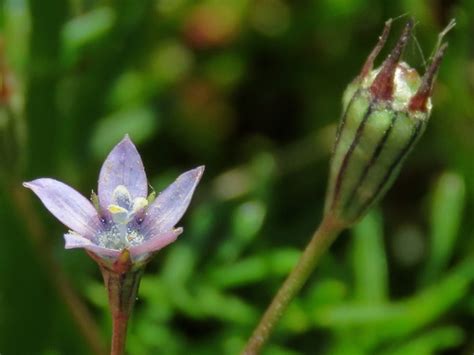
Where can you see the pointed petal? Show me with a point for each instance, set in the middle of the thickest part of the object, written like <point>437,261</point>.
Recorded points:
<point>369,63</point>
<point>67,205</point>
<point>123,166</point>
<point>156,243</point>
<point>77,241</point>
<point>382,86</point>
<point>168,208</point>
<point>419,100</point>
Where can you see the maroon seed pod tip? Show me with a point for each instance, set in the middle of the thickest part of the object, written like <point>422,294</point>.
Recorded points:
<point>369,63</point>
<point>382,86</point>
<point>419,100</point>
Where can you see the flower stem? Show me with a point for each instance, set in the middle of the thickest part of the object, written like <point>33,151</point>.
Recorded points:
<point>119,333</point>
<point>122,288</point>
<point>319,243</point>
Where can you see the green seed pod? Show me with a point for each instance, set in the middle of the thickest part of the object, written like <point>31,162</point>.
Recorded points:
<point>385,113</point>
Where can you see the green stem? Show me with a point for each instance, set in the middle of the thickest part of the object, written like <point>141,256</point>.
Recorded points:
<point>122,288</point>
<point>319,243</point>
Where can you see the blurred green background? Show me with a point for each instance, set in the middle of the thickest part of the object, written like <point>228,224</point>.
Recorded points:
<point>252,90</point>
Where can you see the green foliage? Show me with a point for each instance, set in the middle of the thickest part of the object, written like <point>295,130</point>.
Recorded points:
<point>252,90</point>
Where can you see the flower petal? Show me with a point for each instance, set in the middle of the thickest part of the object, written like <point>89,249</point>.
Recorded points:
<point>123,166</point>
<point>67,205</point>
<point>156,243</point>
<point>77,241</point>
<point>168,208</point>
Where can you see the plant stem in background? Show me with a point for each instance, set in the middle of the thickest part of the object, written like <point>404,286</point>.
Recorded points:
<point>319,243</point>
<point>36,231</point>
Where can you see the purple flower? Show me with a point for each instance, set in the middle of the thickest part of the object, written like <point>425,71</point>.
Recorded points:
<point>124,218</point>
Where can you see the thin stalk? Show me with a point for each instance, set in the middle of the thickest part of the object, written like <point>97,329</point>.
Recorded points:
<point>119,332</point>
<point>319,243</point>
<point>122,288</point>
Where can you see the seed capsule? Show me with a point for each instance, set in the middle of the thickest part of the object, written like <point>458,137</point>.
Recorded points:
<point>385,113</point>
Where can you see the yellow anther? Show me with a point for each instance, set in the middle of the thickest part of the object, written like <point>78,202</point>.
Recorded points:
<point>115,209</point>
<point>139,203</point>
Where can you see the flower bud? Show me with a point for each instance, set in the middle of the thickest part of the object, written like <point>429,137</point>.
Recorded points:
<point>385,113</point>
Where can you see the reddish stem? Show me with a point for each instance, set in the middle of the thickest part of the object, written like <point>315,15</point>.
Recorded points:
<point>119,332</point>
<point>122,282</point>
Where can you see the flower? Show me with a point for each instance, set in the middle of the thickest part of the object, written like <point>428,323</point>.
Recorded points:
<point>386,111</point>
<point>122,219</point>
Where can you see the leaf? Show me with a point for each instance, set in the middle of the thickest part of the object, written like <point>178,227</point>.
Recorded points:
<point>84,30</point>
<point>446,213</point>
<point>139,122</point>
<point>369,260</point>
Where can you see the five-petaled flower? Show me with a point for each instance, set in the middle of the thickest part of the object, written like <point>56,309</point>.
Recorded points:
<point>123,218</point>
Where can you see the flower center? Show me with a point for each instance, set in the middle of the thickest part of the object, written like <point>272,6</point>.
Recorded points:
<point>122,234</point>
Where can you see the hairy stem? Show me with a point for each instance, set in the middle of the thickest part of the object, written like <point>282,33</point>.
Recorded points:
<point>319,243</point>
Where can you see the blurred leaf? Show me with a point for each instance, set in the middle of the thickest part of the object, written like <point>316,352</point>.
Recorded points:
<point>225,69</point>
<point>279,350</point>
<point>170,62</point>
<point>139,122</point>
<point>179,265</point>
<point>271,17</point>
<point>396,320</point>
<point>177,270</point>
<point>254,269</point>
<point>354,314</point>
<point>16,27</point>
<point>152,337</point>
<point>446,214</point>
<point>296,319</point>
<point>156,299</point>
<point>430,343</point>
<point>131,88</point>
<point>96,294</point>
<point>346,345</point>
<point>84,30</point>
<point>326,292</point>
<point>247,220</point>
<point>370,271</point>
<point>369,260</point>
<point>227,308</point>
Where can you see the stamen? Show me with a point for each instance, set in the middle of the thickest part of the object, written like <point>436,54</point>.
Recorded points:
<point>119,214</point>
<point>123,235</point>
<point>138,204</point>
